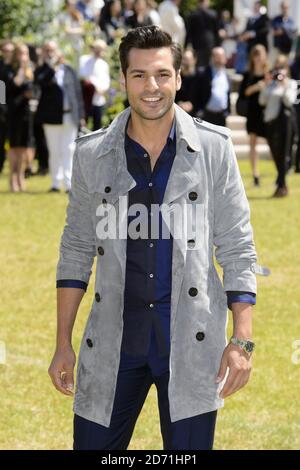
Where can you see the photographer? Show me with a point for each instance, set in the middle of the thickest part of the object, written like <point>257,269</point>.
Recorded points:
<point>278,96</point>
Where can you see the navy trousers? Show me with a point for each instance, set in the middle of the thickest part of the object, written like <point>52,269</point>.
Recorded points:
<point>135,377</point>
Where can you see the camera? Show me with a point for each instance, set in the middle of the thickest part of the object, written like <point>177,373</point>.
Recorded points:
<point>278,75</point>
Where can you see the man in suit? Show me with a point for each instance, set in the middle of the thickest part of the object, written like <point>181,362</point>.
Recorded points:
<point>215,89</point>
<point>151,196</point>
<point>60,110</point>
<point>284,30</point>
<point>203,32</point>
<point>258,28</point>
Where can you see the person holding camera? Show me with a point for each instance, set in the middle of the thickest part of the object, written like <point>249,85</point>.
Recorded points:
<point>278,96</point>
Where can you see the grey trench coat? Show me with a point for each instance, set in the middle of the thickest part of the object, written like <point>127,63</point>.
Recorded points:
<point>205,164</point>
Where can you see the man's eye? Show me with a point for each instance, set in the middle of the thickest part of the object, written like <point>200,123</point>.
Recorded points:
<point>138,76</point>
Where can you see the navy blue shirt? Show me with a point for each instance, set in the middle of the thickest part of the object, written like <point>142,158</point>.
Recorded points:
<point>148,283</point>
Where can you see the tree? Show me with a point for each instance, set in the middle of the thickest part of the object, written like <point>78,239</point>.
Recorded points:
<point>20,18</point>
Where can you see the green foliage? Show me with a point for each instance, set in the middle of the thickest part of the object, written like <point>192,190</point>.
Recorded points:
<point>23,18</point>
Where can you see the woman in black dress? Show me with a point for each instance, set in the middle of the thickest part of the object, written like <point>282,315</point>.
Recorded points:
<point>20,119</point>
<point>251,86</point>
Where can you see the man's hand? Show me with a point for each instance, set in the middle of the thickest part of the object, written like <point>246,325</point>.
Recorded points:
<point>61,370</point>
<point>239,364</point>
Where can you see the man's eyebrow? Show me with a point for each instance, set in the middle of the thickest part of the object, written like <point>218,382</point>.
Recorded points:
<point>145,71</point>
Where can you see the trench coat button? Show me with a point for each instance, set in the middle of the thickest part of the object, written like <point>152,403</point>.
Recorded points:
<point>89,342</point>
<point>189,149</point>
<point>191,243</point>
<point>193,196</point>
<point>107,189</point>
<point>104,201</point>
<point>100,250</point>
<point>193,291</point>
<point>200,336</point>
<point>97,297</point>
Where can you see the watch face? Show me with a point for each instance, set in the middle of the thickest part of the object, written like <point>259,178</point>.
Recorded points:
<point>249,346</point>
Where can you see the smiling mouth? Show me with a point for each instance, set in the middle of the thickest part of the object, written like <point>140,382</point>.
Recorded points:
<point>152,100</point>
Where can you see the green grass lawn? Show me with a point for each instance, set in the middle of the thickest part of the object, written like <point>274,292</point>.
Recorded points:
<point>33,415</point>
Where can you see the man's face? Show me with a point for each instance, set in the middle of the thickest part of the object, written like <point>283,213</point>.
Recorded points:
<point>50,51</point>
<point>285,8</point>
<point>7,52</point>
<point>151,82</point>
<point>257,7</point>
<point>218,57</point>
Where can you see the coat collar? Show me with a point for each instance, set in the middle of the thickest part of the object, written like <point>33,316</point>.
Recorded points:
<point>185,173</point>
<point>115,133</point>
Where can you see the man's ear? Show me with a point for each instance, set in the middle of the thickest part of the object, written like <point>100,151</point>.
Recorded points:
<point>123,81</point>
<point>178,80</point>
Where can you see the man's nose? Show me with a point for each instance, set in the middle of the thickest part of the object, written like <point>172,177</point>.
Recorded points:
<point>151,84</point>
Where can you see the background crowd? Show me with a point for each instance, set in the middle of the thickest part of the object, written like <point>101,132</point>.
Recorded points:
<point>54,92</point>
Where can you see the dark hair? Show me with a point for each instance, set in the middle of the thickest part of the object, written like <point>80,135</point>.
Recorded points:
<point>148,37</point>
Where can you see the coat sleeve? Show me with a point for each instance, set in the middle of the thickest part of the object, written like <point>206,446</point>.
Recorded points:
<point>232,234</point>
<point>77,247</point>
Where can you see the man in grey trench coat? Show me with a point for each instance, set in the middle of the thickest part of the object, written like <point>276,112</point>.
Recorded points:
<point>160,310</point>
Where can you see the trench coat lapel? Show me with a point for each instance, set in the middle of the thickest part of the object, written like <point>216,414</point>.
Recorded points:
<point>184,176</point>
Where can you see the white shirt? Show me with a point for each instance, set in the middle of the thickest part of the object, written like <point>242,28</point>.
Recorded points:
<point>219,92</point>
<point>59,77</point>
<point>97,72</point>
<point>171,21</point>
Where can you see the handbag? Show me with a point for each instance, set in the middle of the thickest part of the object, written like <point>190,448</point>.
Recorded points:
<point>242,106</point>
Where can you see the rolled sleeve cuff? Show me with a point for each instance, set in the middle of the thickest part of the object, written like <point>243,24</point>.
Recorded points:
<point>238,296</point>
<point>75,283</point>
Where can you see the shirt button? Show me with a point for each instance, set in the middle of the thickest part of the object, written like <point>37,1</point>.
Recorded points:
<point>150,185</point>
<point>151,305</point>
<point>146,155</point>
<point>151,275</point>
<point>151,245</point>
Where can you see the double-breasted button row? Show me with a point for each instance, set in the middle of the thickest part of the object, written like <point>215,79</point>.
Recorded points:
<point>193,196</point>
<point>100,250</point>
<point>200,336</point>
<point>193,291</point>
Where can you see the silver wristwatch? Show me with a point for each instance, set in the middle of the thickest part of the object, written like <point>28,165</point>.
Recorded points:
<point>244,344</point>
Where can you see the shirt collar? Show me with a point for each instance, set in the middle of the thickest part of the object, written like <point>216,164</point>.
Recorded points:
<point>171,136</point>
